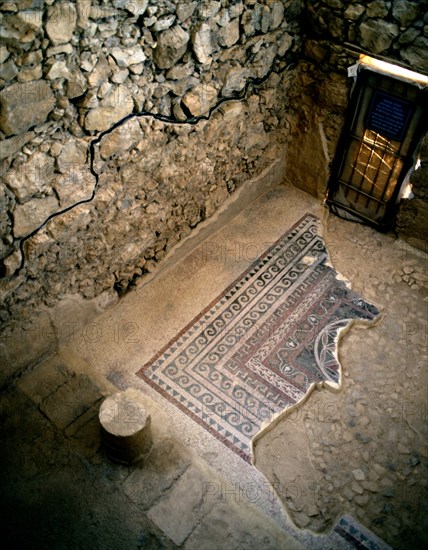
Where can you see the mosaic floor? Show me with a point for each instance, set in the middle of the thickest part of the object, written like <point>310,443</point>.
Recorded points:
<point>259,347</point>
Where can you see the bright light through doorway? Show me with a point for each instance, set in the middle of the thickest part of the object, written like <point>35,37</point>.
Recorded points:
<point>394,70</point>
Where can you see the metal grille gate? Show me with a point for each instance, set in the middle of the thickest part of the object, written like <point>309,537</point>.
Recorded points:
<point>385,123</point>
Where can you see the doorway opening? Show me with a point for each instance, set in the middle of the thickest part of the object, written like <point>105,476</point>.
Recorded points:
<point>378,146</point>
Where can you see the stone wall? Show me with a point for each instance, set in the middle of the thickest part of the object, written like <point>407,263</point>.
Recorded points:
<point>124,124</point>
<point>412,218</point>
<point>395,29</point>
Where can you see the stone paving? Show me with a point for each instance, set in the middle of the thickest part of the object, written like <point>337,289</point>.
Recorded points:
<point>58,488</point>
<point>359,451</point>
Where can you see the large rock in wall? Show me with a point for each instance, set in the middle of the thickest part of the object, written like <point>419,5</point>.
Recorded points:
<point>105,166</point>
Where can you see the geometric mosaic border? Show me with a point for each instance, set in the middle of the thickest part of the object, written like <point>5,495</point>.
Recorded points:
<point>259,346</point>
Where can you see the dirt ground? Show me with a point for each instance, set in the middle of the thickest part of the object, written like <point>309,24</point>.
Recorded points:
<point>363,450</point>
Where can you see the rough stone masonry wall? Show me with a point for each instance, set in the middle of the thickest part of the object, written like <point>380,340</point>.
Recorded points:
<point>105,163</point>
<point>396,30</point>
<point>412,219</point>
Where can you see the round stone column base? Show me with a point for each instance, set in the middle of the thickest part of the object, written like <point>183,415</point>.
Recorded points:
<point>125,427</point>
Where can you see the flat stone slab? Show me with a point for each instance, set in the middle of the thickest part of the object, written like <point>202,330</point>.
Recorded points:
<point>45,379</point>
<point>71,400</point>
<point>164,465</point>
<point>181,509</point>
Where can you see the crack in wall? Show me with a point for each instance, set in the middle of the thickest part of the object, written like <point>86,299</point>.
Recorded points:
<point>163,118</point>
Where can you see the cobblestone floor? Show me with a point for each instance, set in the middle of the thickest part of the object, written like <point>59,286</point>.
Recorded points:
<point>364,449</point>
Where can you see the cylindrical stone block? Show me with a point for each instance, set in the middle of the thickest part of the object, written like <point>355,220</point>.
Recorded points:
<point>125,427</point>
